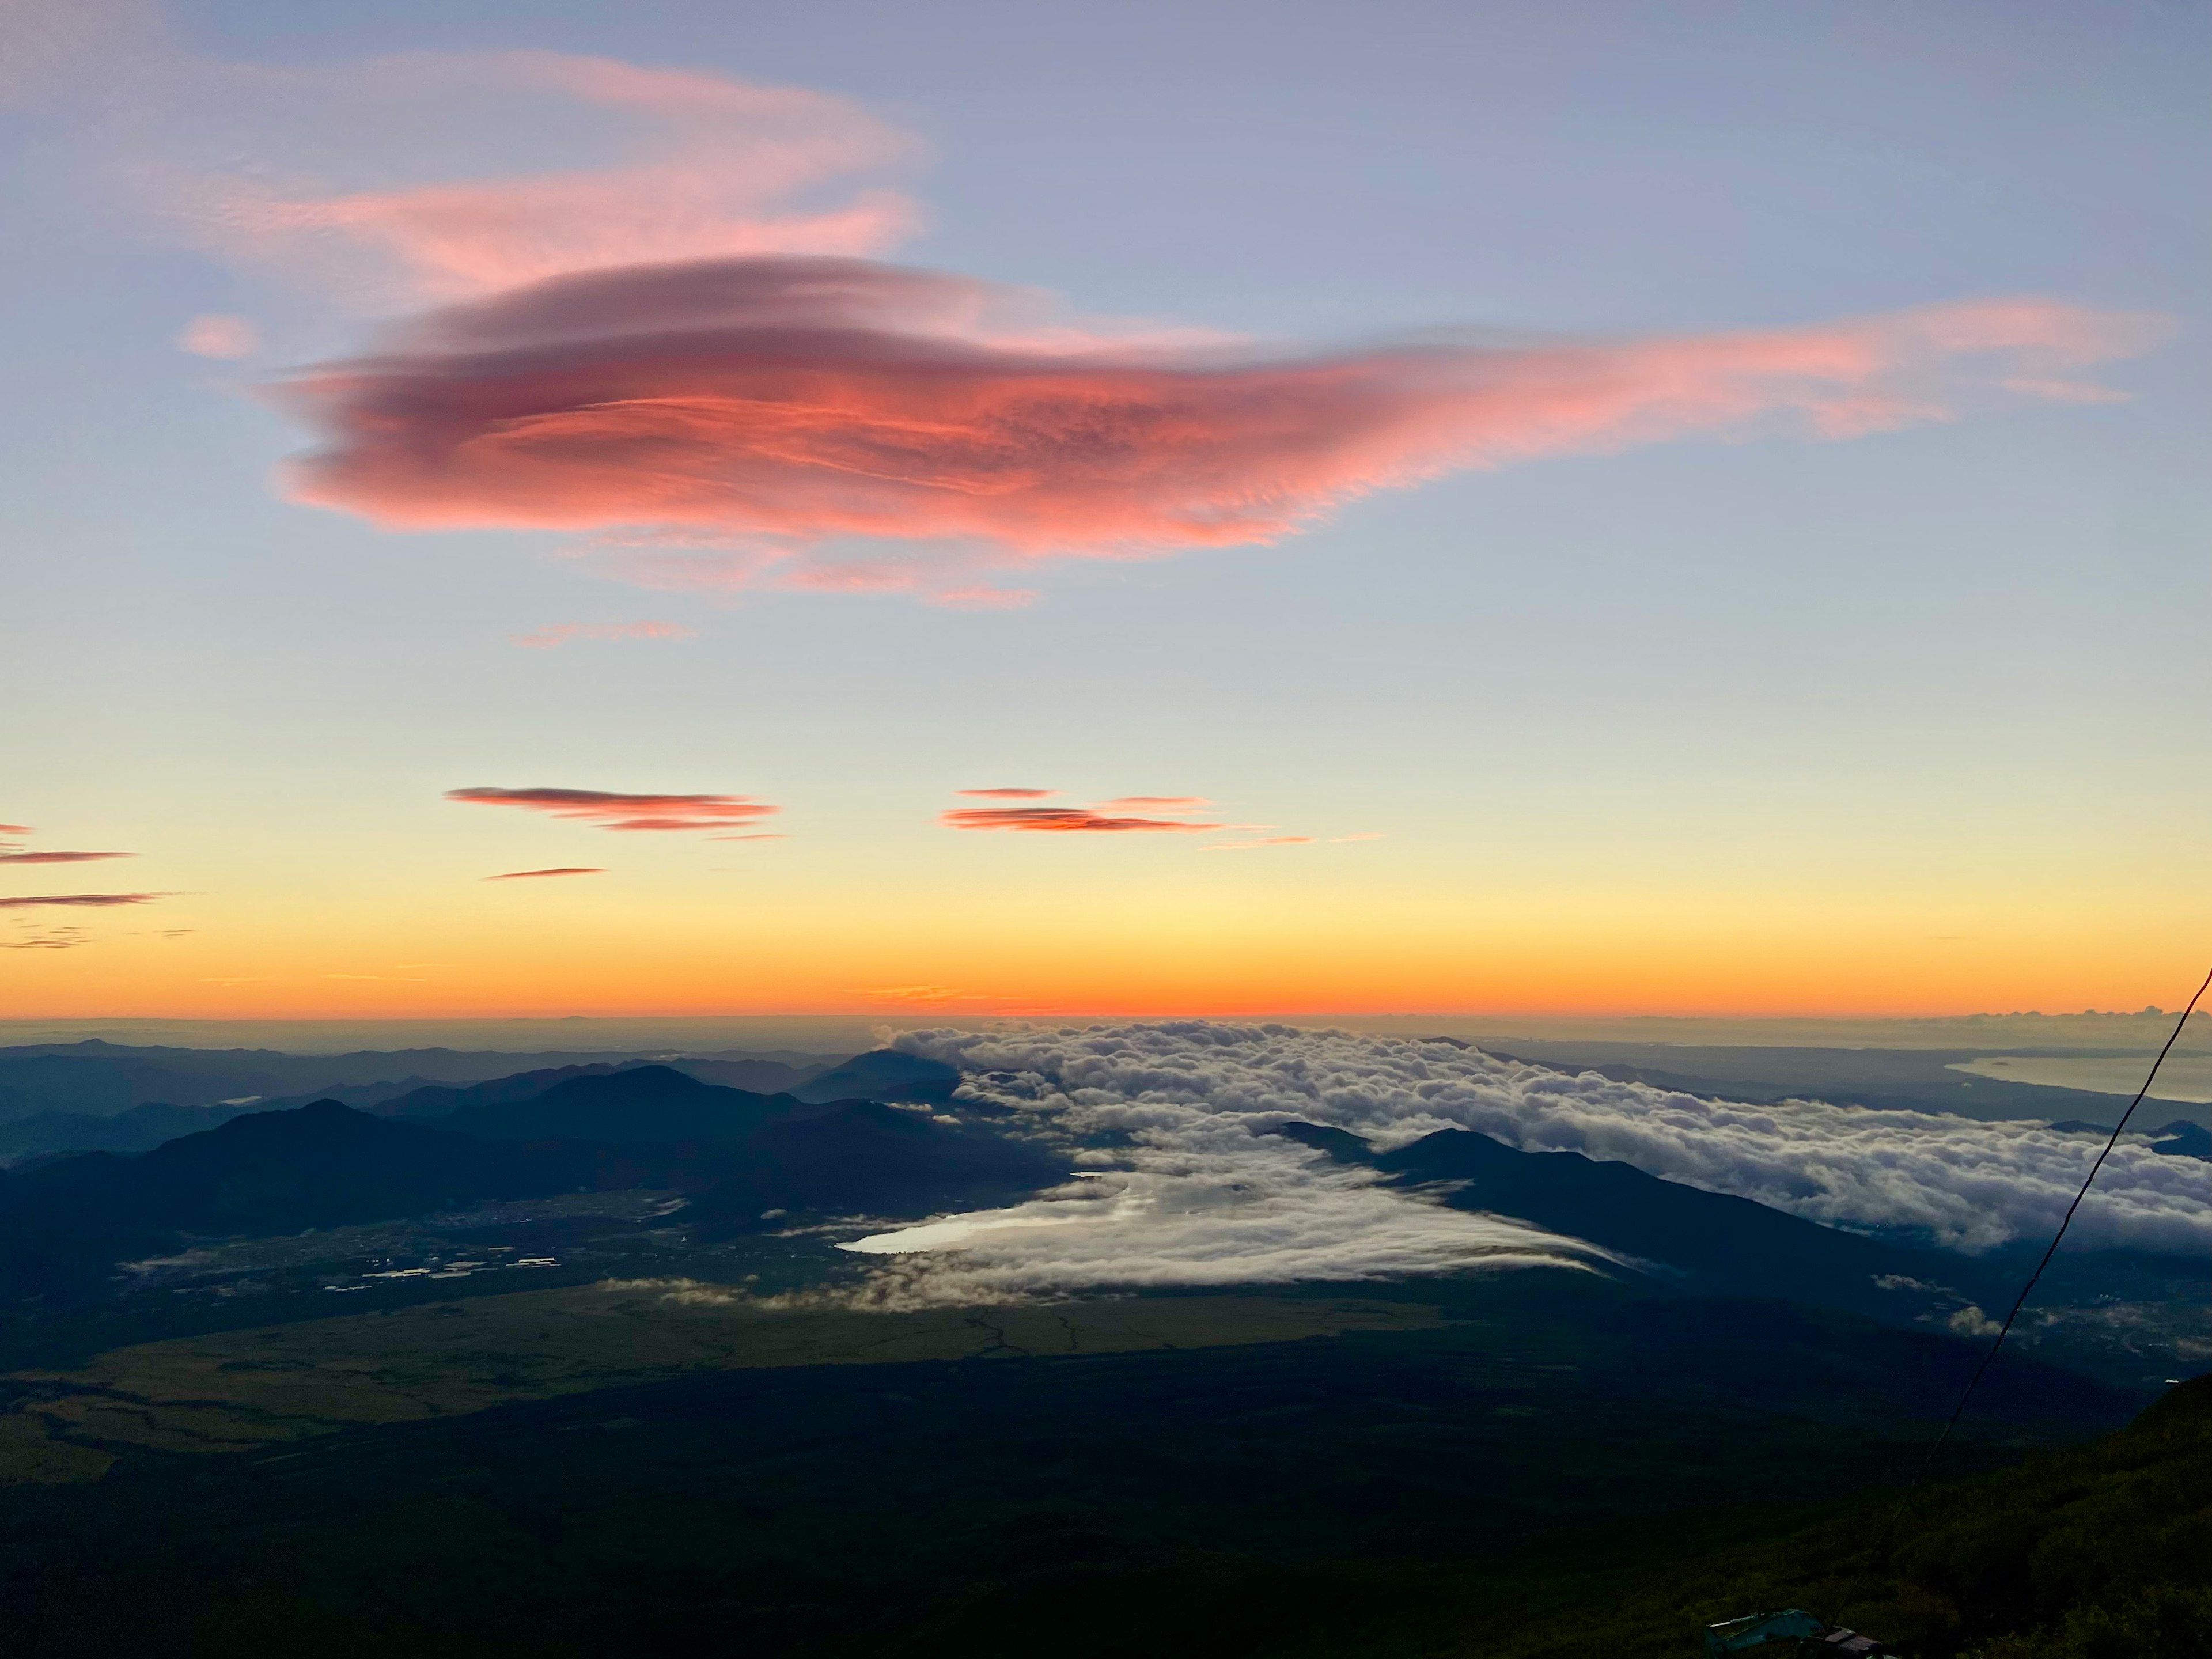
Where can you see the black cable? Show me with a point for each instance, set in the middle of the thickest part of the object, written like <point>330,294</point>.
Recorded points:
<point>2021,1301</point>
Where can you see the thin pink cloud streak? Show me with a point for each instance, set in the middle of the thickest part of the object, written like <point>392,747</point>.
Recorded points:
<point>1007,794</point>
<point>613,810</point>
<point>1154,803</point>
<point>1061,820</point>
<point>561,870</point>
<point>772,404</point>
<point>82,901</point>
<point>60,858</point>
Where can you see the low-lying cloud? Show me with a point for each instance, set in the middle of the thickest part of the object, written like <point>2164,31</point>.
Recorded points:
<point>615,810</point>
<point>769,404</point>
<point>61,858</point>
<point>1204,1194</point>
<point>1181,1213</point>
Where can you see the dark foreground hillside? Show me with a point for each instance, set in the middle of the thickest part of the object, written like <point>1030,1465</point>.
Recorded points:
<point>1372,1492</point>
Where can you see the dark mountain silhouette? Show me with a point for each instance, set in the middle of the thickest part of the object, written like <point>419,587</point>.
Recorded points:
<point>883,1074</point>
<point>438,1100</point>
<point>96,1078</point>
<point>743,1153</point>
<point>1714,1243</point>
<point>137,1129</point>
<point>637,1104</point>
<point>324,1165</point>
<point>100,1077</point>
<point>860,1155</point>
<point>64,1223</point>
<point>763,1077</point>
<point>2182,1139</point>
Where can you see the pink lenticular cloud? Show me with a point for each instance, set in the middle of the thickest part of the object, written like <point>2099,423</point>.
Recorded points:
<point>60,858</point>
<point>1061,820</point>
<point>773,404</point>
<point>563,870</point>
<point>692,166</point>
<point>612,810</point>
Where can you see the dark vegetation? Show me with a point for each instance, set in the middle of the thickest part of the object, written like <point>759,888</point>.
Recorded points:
<point>1337,1495</point>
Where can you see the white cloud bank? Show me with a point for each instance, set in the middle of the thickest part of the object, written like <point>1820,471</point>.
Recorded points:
<point>1190,1189</point>
<point>1197,1203</point>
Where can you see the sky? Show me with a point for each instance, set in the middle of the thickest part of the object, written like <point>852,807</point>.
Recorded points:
<point>979,510</point>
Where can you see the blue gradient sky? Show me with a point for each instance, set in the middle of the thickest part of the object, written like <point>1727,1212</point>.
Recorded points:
<point>1910,722</point>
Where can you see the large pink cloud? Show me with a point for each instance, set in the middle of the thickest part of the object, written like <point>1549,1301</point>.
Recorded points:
<point>775,404</point>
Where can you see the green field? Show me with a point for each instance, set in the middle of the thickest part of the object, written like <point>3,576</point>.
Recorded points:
<point>239,1390</point>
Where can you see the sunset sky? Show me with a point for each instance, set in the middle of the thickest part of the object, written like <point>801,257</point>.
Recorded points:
<point>685,509</point>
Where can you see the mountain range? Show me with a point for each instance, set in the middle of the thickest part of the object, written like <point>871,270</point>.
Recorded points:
<point>733,1154</point>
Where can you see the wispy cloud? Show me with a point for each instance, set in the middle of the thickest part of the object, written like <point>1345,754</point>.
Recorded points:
<point>615,809</point>
<point>928,996</point>
<point>1250,846</point>
<point>422,197</point>
<point>1007,794</point>
<point>777,402</point>
<point>1364,835</point>
<point>1061,820</point>
<point>1152,804</point>
<point>563,870</point>
<point>61,858</point>
<point>558,634</point>
<point>984,598</point>
<point>15,829</point>
<point>48,939</point>
<point>217,336</point>
<point>86,901</point>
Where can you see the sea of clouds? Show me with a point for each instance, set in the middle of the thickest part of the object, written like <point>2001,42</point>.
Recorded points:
<point>1184,1184</point>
